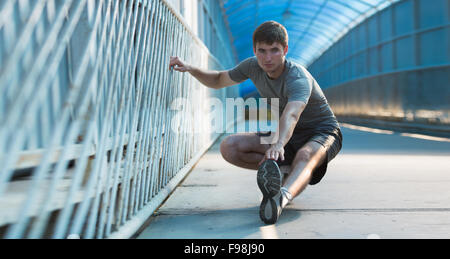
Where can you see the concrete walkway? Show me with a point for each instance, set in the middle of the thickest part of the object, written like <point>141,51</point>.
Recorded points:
<point>381,185</point>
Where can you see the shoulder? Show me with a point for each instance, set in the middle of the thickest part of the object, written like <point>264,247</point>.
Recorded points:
<point>250,66</point>
<point>251,62</point>
<point>297,74</point>
<point>297,71</point>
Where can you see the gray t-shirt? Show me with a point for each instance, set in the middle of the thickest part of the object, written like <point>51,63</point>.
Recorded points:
<point>295,84</point>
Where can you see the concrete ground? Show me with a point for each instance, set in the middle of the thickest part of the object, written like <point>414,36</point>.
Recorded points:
<point>382,185</point>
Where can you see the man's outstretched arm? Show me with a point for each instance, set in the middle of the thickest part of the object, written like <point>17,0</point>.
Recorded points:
<point>287,123</point>
<point>211,79</point>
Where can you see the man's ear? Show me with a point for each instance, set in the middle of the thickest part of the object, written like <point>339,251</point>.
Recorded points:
<point>286,49</point>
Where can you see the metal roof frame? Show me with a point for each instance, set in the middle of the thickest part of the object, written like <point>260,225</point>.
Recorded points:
<point>313,25</point>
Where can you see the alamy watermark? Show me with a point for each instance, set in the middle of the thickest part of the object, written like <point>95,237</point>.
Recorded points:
<point>262,112</point>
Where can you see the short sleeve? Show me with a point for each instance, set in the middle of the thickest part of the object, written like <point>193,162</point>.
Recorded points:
<point>242,71</point>
<point>299,89</point>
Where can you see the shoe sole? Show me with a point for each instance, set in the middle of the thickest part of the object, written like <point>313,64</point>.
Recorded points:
<point>269,182</point>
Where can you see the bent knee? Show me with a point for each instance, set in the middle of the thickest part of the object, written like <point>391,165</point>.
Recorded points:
<point>227,147</point>
<point>226,144</point>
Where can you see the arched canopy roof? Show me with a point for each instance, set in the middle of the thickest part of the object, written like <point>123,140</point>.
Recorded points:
<point>313,25</point>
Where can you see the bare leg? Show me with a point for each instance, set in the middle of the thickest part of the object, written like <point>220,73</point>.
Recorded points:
<point>309,157</point>
<point>243,150</point>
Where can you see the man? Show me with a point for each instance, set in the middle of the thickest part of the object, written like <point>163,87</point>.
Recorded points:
<point>308,134</point>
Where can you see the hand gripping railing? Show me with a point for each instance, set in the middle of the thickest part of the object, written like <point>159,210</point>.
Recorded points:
<point>86,146</point>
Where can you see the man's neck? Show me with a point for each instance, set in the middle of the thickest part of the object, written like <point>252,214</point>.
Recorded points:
<point>276,74</point>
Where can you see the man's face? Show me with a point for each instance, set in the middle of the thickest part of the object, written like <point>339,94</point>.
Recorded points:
<point>270,57</point>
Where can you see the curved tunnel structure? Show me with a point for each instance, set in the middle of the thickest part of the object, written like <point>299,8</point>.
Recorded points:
<point>376,60</point>
<point>395,66</point>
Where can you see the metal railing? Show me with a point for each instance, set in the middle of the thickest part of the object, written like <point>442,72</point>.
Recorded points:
<point>86,146</point>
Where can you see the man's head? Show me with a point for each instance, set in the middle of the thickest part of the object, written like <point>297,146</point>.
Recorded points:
<point>270,45</point>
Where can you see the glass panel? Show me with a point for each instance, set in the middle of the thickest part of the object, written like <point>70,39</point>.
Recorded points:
<point>317,23</point>
<point>405,53</point>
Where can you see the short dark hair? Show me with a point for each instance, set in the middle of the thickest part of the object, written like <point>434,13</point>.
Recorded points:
<point>270,32</point>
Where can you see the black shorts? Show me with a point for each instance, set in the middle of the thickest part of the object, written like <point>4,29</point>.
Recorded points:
<point>331,139</point>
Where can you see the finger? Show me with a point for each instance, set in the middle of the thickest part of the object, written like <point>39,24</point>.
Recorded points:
<point>282,156</point>
<point>180,69</point>
<point>276,155</point>
<point>262,161</point>
<point>174,60</point>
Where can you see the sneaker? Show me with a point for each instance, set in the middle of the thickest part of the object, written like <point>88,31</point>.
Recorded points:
<point>269,182</point>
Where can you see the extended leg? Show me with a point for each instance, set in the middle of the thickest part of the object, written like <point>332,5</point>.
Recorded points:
<point>309,157</point>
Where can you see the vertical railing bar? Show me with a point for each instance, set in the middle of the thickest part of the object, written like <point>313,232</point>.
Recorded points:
<point>139,107</point>
<point>113,202</point>
<point>190,135</point>
<point>136,114</point>
<point>130,157</point>
<point>165,106</point>
<point>107,198</point>
<point>124,91</point>
<point>21,43</point>
<point>80,215</point>
<point>62,223</point>
<point>19,227</point>
<point>143,122</point>
<point>177,135</point>
<point>163,99</point>
<point>138,85</point>
<point>160,126</point>
<point>94,212</point>
<point>27,89</point>
<point>5,12</point>
<point>117,142</point>
<point>186,133</point>
<point>17,141</point>
<point>159,130</point>
<point>150,153</point>
<point>176,86</point>
<point>153,80</point>
<point>43,216</point>
<point>132,79</point>
<point>156,129</point>
<point>184,52</point>
<point>115,167</point>
<point>183,49</point>
<point>77,174</point>
<point>170,113</point>
<point>116,159</point>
